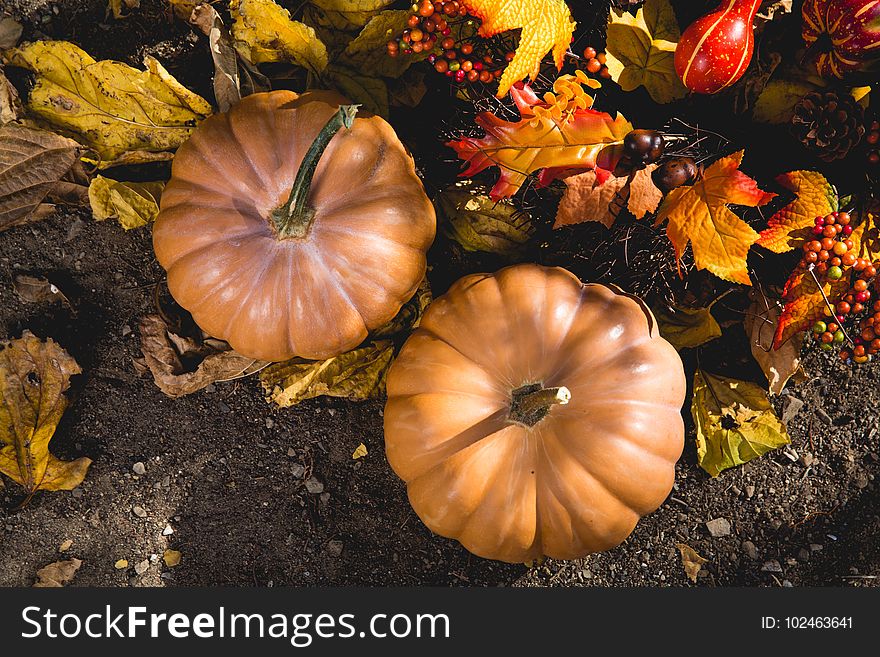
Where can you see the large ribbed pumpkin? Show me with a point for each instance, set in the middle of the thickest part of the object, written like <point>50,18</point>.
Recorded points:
<point>291,228</point>
<point>532,415</point>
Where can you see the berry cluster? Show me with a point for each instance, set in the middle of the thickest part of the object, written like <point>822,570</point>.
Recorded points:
<point>872,138</point>
<point>831,254</point>
<point>430,29</point>
<point>594,62</point>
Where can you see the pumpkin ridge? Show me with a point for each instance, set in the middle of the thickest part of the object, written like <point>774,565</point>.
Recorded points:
<point>340,287</point>
<point>253,233</point>
<point>243,301</point>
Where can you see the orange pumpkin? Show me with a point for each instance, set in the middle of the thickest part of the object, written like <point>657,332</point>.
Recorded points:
<point>533,415</point>
<point>291,228</point>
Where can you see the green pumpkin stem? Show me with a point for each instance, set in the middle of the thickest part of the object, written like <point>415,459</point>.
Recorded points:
<point>294,218</point>
<point>531,403</point>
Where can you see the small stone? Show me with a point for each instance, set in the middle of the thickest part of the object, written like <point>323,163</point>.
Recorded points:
<point>750,550</point>
<point>126,330</point>
<point>325,498</point>
<point>332,411</point>
<point>736,490</point>
<point>224,407</point>
<point>824,416</point>
<point>314,486</point>
<point>210,388</point>
<point>803,554</point>
<point>122,564</point>
<point>750,491</point>
<point>139,511</point>
<point>270,423</point>
<point>77,492</point>
<point>9,528</point>
<point>791,406</point>
<point>587,573</point>
<point>167,531</point>
<point>334,548</point>
<point>718,527</point>
<point>65,546</point>
<point>297,470</point>
<point>807,459</point>
<point>139,468</point>
<point>771,566</point>
<point>815,547</point>
<point>142,566</point>
<point>291,452</point>
<point>166,482</point>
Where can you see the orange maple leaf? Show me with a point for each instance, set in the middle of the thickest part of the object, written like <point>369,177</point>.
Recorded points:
<point>546,25</point>
<point>788,228</point>
<point>803,300</point>
<point>699,214</point>
<point>598,195</point>
<point>557,133</point>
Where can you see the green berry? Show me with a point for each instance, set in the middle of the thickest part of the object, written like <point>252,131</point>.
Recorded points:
<point>826,346</point>
<point>834,273</point>
<point>820,327</point>
<point>839,336</point>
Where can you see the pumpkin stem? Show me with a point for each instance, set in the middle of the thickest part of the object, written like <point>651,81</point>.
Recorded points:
<point>294,218</point>
<point>531,403</point>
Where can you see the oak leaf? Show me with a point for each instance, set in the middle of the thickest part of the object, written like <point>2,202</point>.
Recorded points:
<point>720,240</point>
<point>125,115</point>
<point>34,375</point>
<point>735,422</point>
<point>555,133</point>
<point>814,197</point>
<point>546,25</point>
<point>598,195</point>
<point>641,51</point>
<point>57,574</point>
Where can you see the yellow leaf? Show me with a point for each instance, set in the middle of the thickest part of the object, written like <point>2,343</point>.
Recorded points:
<point>369,92</point>
<point>699,214</point>
<point>691,561</point>
<point>359,452</point>
<point>122,564</point>
<point>115,7</point>
<point>33,378</point>
<point>778,365</point>
<point>57,574</point>
<point>641,51</point>
<point>735,422</point>
<point>133,204</point>
<point>789,227</point>
<point>171,558</point>
<point>127,116</point>
<point>546,25</point>
<point>264,32</point>
<point>346,14</point>
<point>358,374</point>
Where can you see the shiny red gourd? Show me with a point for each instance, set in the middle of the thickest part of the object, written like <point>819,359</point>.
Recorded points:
<point>845,34</point>
<point>715,50</point>
<point>533,415</point>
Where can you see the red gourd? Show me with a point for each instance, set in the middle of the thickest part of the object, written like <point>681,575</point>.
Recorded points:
<point>845,34</point>
<point>716,49</point>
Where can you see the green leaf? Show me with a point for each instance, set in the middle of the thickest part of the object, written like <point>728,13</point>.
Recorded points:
<point>133,204</point>
<point>478,223</point>
<point>344,15</point>
<point>370,92</point>
<point>356,375</point>
<point>735,422</point>
<point>686,328</point>
<point>788,84</point>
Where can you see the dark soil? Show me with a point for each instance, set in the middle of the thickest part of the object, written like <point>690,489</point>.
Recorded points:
<point>225,470</point>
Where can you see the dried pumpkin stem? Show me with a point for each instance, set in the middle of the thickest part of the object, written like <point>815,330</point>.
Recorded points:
<point>530,404</point>
<point>294,218</point>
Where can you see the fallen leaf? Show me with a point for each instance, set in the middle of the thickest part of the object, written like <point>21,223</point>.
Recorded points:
<point>359,452</point>
<point>183,9</point>
<point>478,223</point>
<point>601,196</point>
<point>10,104</point>
<point>692,562</point>
<point>132,204</point>
<point>356,375</point>
<point>546,26</point>
<point>65,546</point>
<point>720,240</point>
<point>264,32</point>
<point>556,133</point>
<point>122,564</point>
<point>347,15</point>
<point>171,558</point>
<point>640,51</point>
<point>778,365</point>
<point>33,378</point>
<point>57,574</point>
<point>814,197</point>
<point>10,32</point>
<point>172,378</point>
<point>369,92</point>
<point>115,7</point>
<point>409,316</point>
<point>223,53</point>
<point>805,301</point>
<point>125,115</point>
<point>36,289</point>
<point>686,328</point>
<point>787,85</point>
<point>735,422</point>
<point>367,55</point>
<point>31,164</point>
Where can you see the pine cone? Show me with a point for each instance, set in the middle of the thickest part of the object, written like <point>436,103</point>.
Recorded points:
<point>828,124</point>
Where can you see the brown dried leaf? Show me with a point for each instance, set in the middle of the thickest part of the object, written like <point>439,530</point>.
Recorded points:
<point>691,561</point>
<point>778,365</point>
<point>36,289</point>
<point>168,371</point>
<point>31,164</point>
<point>588,199</point>
<point>57,574</point>
<point>10,32</point>
<point>10,105</point>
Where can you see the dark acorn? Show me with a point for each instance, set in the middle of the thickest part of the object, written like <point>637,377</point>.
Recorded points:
<point>674,173</point>
<point>642,147</point>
